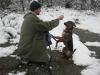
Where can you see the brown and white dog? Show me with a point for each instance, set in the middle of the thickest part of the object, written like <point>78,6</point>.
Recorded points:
<point>66,38</point>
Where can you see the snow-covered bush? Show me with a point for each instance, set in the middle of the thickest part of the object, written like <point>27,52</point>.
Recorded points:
<point>10,27</point>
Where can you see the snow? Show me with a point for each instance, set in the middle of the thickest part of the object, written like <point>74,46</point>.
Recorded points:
<point>82,56</point>
<point>33,0</point>
<point>10,24</point>
<point>4,52</point>
<point>13,20</point>
<point>92,44</point>
<point>82,52</point>
<point>18,73</point>
<point>0,22</point>
<point>10,30</point>
<point>3,36</point>
<point>87,22</point>
<point>93,69</point>
<point>15,40</point>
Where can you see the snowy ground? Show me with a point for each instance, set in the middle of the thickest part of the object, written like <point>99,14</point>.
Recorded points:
<point>82,56</point>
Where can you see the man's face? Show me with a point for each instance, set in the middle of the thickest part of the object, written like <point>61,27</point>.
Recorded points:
<point>37,11</point>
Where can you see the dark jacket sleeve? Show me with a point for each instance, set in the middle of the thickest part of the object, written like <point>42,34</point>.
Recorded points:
<point>46,26</point>
<point>40,25</point>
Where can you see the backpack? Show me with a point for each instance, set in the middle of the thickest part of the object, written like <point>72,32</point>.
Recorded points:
<point>48,38</point>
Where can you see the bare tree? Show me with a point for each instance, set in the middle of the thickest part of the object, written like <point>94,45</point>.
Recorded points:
<point>18,5</point>
<point>22,3</point>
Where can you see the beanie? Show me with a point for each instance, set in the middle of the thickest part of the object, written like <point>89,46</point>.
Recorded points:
<point>35,5</point>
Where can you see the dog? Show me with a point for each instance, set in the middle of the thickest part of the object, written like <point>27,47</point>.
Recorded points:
<point>67,40</point>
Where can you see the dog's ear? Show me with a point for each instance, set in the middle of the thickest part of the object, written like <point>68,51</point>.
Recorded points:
<point>65,23</point>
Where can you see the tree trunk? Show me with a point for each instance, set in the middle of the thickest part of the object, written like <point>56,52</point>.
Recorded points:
<point>22,3</point>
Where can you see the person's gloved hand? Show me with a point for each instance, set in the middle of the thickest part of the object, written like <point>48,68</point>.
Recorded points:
<point>60,17</point>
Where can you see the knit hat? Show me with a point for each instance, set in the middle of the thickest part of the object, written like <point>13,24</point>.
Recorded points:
<point>35,5</point>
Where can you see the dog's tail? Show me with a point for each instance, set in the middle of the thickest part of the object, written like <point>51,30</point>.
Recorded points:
<point>56,44</point>
<point>74,50</point>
